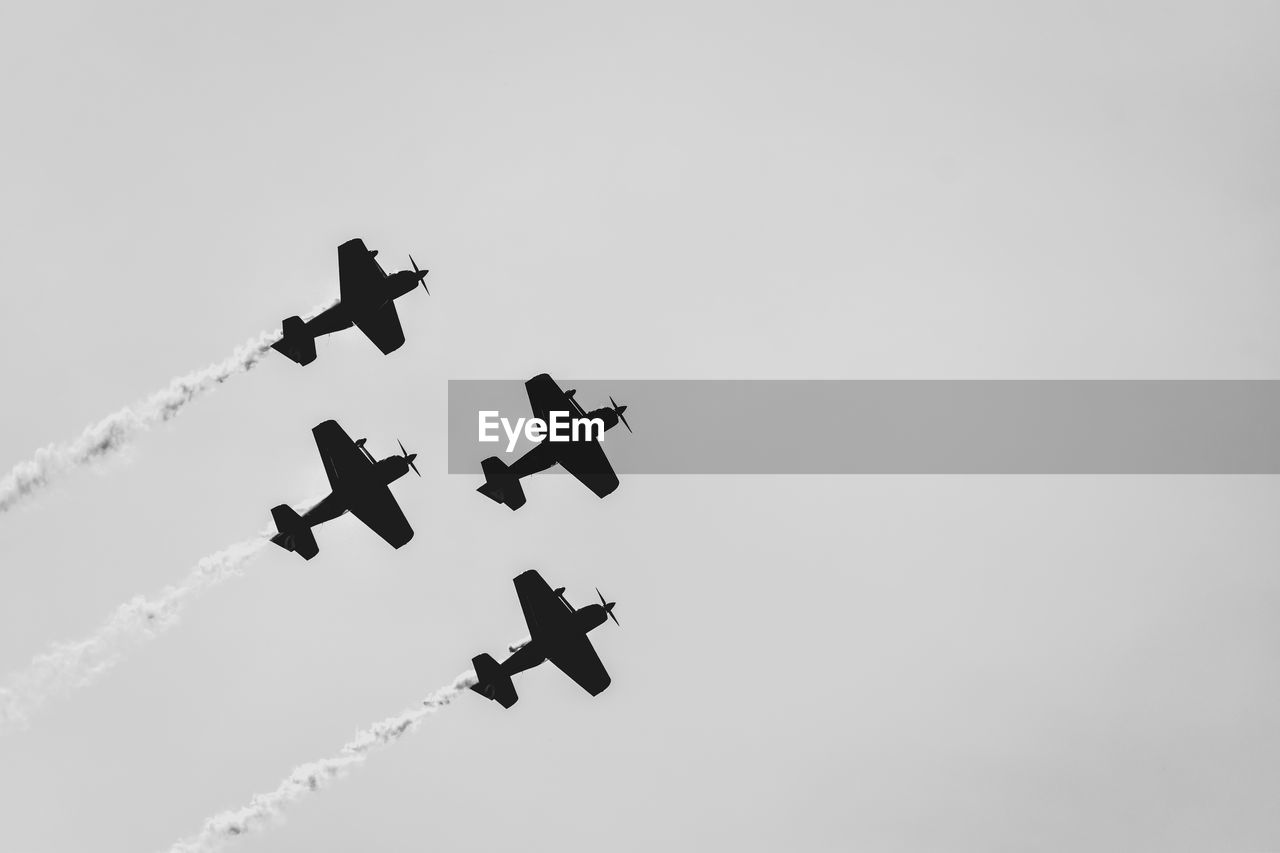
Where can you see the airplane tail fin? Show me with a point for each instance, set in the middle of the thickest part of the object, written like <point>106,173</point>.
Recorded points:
<point>500,484</point>
<point>492,682</point>
<point>295,534</point>
<point>296,342</point>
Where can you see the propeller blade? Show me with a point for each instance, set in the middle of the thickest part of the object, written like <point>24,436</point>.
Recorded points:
<point>422,274</point>
<point>619,411</point>
<point>408,457</point>
<point>608,607</point>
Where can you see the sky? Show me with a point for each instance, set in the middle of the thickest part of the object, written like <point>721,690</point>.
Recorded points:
<point>664,190</point>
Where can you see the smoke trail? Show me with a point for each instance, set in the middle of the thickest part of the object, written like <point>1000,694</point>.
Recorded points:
<point>308,778</point>
<point>68,666</point>
<point>115,431</point>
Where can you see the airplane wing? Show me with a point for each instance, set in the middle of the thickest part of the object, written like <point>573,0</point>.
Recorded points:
<point>576,658</point>
<point>343,461</point>
<point>358,273</point>
<point>545,613</point>
<point>377,508</point>
<point>545,397</point>
<point>586,461</point>
<point>383,328</point>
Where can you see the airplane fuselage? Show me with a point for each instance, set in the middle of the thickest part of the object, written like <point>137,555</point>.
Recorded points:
<point>343,315</point>
<point>546,454</point>
<point>338,502</point>
<point>534,652</point>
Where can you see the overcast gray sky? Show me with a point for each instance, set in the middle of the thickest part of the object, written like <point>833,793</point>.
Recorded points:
<point>659,190</point>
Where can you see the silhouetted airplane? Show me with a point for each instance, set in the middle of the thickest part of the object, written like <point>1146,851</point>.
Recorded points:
<point>557,633</point>
<point>583,458</point>
<point>367,301</point>
<point>360,486</point>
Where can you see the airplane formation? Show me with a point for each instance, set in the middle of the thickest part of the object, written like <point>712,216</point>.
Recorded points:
<point>360,483</point>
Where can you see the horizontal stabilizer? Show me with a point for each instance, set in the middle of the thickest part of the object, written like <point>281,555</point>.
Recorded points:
<point>295,534</point>
<point>492,682</point>
<point>296,342</point>
<point>500,484</point>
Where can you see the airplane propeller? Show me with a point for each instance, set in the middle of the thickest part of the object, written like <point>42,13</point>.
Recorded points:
<point>422,274</point>
<point>608,607</point>
<point>409,457</point>
<point>618,410</point>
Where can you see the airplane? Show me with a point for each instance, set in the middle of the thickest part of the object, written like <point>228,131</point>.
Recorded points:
<point>584,459</point>
<point>367,301</point>
<point>359,484</point>
<point>557,632</point>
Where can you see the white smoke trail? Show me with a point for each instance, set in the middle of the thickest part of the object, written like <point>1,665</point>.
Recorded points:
<point>265,809</point>
<point>68,666</point>
<point>115,431</point>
